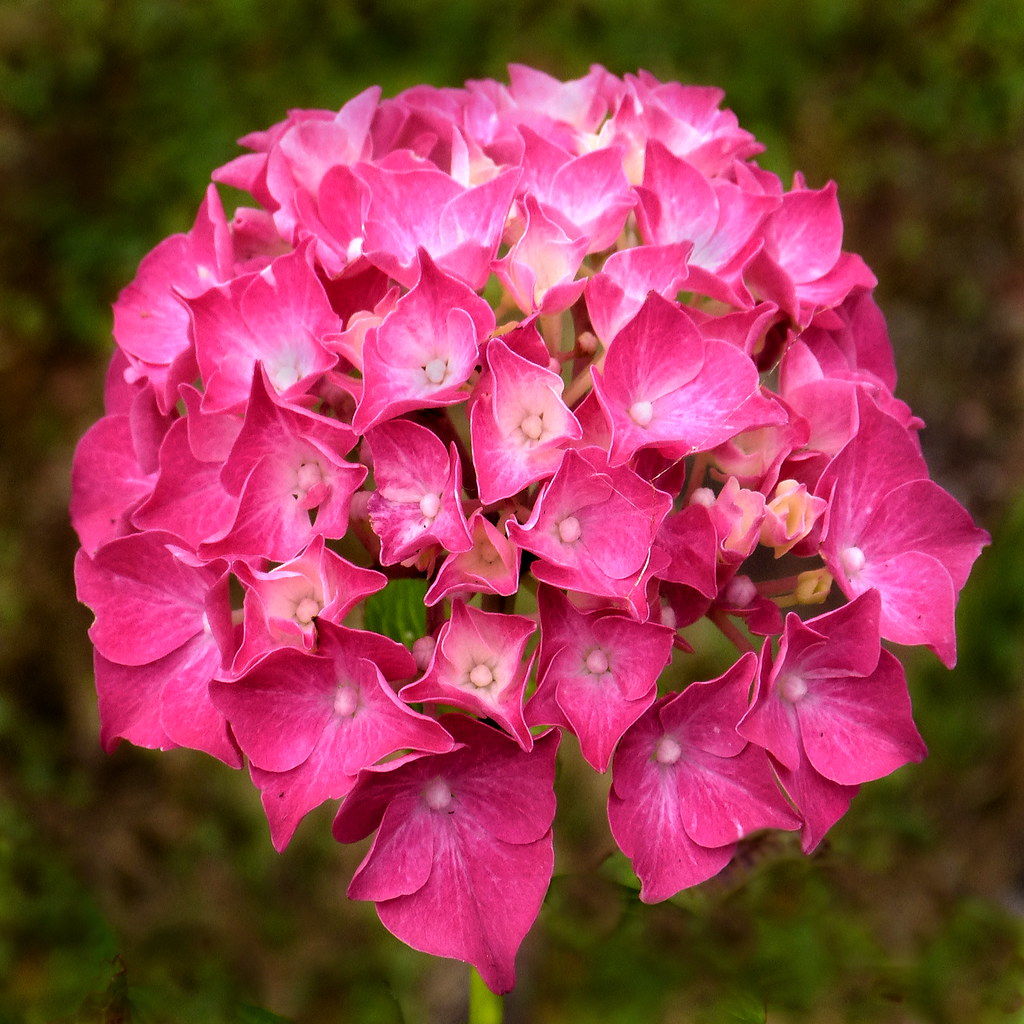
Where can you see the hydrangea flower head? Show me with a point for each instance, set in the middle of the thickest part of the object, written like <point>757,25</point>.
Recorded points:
<point>563,361</point>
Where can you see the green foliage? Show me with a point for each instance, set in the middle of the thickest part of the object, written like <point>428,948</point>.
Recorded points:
<point>398,611</point>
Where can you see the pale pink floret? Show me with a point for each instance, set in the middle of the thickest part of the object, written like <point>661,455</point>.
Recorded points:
<point>309,723</point>
<point>891,528</point>
<point>790,516</point>
<point>539,271</point>
<point>277,318</point>
<point>490,566</point>
<point>686,786</point>
<point>425,349</point>
<point>737,514</point>
<point>479,664</point>
<point>665,386</point>
<point>152,680</point>
<point>835,704</point>
<point>418,497</point>
<point>463,852</point>
<point>597,673</point>
<point>519,426</point>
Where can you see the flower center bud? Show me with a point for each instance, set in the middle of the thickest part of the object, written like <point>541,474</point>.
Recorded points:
<point>307,610</point>
<point>793,688</point>
<point>667,750</point>
<point>346,701</point>
<point>740,591</point>
<point>423,651</point>
<point>569,530</point>
<point>641,413</point>
<point>481,675</point>
<point>437,795</point>
<point>436,370</point>
<point>852,560</point>
<point>354,250</point>
<point>430,505</point>
<point>309,475</point>
<point>532,427</point>
<point>310,488</point>
<point>703,496</point>
<point>597,662</point>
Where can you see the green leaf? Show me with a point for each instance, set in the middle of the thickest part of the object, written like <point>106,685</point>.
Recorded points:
<point>245,1014</point>
<point>398,611</point>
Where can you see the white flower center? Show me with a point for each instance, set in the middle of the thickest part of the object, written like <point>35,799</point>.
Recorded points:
<point>569,530</point>
<point>346,701</point>
<point>532,427</point>
<point>430,505</point>
<point>436,370</point>
<point>597,662</point>
<point>667,750</point>
<point>852,560</point>
<point>307,610</point>
<point>641,413</point>
<point>437,795</point>
<point>792,688</point>
<point>481,675</point>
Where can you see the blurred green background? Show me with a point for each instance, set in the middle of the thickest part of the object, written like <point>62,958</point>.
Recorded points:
<point>143,886</point>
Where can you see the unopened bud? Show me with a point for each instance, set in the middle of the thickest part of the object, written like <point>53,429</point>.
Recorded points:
<point>813,586</point>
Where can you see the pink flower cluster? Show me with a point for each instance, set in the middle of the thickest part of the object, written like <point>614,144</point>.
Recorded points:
<point>567,354</point>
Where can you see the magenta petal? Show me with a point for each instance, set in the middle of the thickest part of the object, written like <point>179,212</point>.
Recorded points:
<point>728,798</point>
<point>706,713</point>
<point>107,482</point>
<point>598,714</point>
<point>189,498</point>
<point>187,714</point>
<point>771,723</point>
<point>279,709</point>
<point>138,579</point>
<point>287,797</point>
<point>517,814</point>
<point>918,602</point>
<point>482,893</point>
<point>129,704</point>
<point>649,829</point>
<point>475,909</point>
<point>820,801</point>
<point>401,857</point>
<point>856,730</point>
<point>920,516</point>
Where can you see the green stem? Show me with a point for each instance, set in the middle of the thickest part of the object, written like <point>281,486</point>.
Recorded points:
<point>730,630</point>
<point>485,1007</point>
